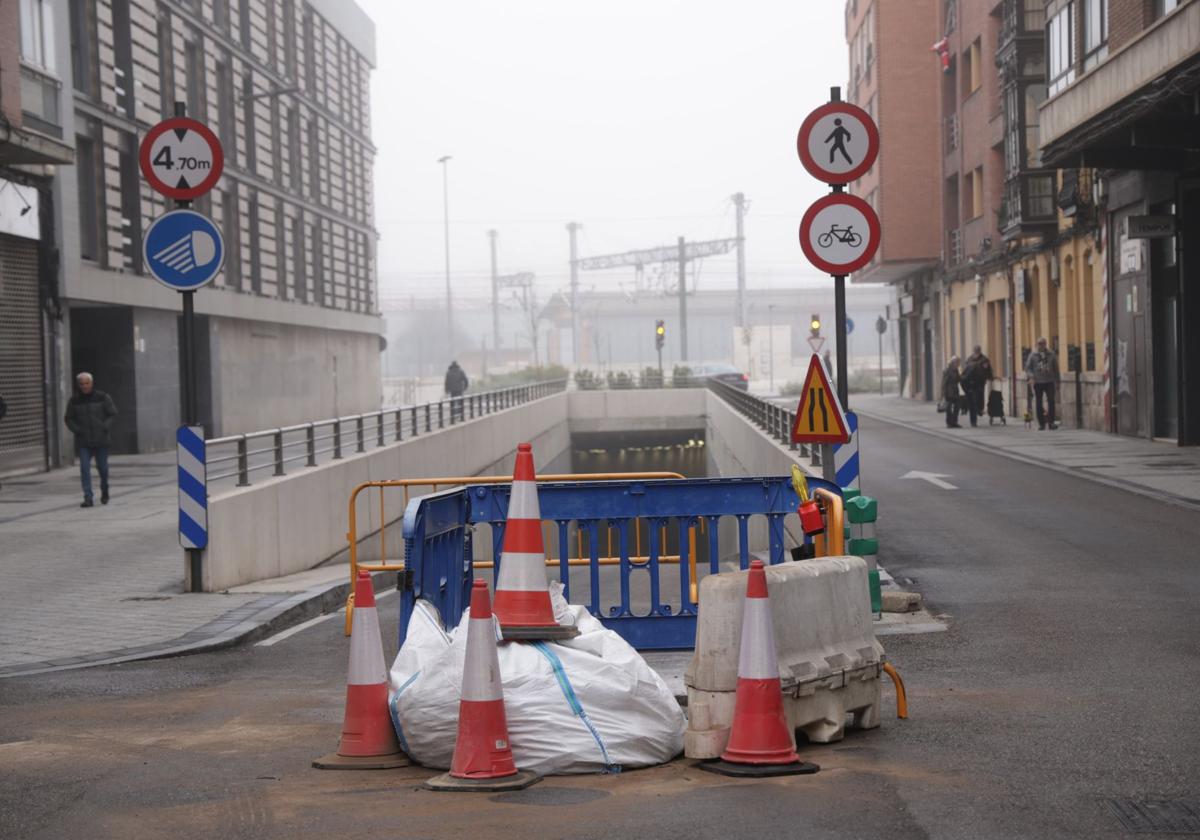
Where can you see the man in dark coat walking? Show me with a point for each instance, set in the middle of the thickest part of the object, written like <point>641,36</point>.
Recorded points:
<point>90,415</point>
<point>456,386</point>
<point>976,374</point>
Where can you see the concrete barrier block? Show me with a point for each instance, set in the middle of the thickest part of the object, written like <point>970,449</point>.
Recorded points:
<point>829,660</point>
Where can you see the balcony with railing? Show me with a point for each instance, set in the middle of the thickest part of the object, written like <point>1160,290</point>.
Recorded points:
<point>1021,18</point>
<point>1029,204</point>
<point>40,102</point>
<point>954,249</point>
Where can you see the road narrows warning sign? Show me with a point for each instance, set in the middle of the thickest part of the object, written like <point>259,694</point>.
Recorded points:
<point>819,417</point>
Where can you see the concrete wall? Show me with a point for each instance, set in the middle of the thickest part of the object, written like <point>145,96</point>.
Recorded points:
<point>295,522</point>
<point>637,410</point>
<point>737,447</point>
<point>273,374</point>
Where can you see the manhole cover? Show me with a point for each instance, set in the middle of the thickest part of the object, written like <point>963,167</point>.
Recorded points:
<point>546,795</point>
<point>1157,816</point>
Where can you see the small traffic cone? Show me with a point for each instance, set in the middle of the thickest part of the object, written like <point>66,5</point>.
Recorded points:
<point>483,759</point>
<point>760,743</point>
<point>368,739</point>
<point>522,597</point>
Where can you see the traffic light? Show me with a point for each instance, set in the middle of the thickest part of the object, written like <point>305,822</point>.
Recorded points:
<point>660,334</point>
<point>814,326</point>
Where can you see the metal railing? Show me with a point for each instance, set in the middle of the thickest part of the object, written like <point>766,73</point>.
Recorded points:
<point>773,419</point>
<point>240,456</point>
<point>597,522</point>
<point>434,484</point>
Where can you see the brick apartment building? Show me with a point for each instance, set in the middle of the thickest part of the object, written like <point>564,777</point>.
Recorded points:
<point>889,78</point>
<point>1012,246</point>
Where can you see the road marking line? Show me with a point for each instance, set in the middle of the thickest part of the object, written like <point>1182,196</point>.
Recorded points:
<point>304,625</point>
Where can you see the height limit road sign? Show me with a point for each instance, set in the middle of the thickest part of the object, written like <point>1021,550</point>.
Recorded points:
<point>840,233</point>
<point>819,417</point>
<point>838,142</point>
<point>181,158</point>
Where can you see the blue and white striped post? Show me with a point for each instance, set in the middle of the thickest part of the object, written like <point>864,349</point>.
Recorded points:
<point>193,488</point>
<point>845,456</point>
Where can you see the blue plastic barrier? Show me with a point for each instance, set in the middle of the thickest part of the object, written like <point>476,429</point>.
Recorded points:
<point>438,549</point>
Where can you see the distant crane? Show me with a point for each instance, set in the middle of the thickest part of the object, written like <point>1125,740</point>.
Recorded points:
<point>683,252</point>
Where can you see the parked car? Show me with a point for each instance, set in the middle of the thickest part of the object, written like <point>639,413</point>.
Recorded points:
<point>726,374</point>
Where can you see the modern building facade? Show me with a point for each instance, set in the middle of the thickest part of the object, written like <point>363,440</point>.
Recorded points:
<point>291,328</point>
<point>1124,98</point>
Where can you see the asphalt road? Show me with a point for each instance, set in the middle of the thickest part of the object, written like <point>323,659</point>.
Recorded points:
<point>1069,676</point>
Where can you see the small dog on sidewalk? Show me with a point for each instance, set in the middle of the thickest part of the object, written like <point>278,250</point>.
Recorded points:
<point>1028,419</point>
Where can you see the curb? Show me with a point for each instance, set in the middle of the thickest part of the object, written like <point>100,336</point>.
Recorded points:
<point>263,617</point>
<point>1136,489</point>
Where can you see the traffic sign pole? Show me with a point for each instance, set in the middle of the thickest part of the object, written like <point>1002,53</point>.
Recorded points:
<point>187,347</point>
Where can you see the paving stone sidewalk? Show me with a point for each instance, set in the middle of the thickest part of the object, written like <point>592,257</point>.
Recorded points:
<point>1148,467</point>
<point>79,586</point>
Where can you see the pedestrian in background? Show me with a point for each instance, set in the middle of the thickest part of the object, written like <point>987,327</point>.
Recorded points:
<point>951,381</point>
<point>456,386</point>
<point>1041,369</point>
<point>976,374</point>
<point>90,415</point>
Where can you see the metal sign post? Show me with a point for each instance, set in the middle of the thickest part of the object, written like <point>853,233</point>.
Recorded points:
<point>840,233</point>
<point>182,159</point>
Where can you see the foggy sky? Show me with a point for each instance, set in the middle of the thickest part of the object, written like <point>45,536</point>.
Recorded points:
<point>637,119</point>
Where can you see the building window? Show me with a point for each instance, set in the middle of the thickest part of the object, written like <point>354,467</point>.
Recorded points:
<point>37,33</point>
<point>289,38</point>
<point>83,47</point>
<point>255,247</point>
<point>221,14</point>
<point>973,194</point>
<point>299,263</point>
<point>89,202</point>
<point>1059,39</point>
<point>972,76</point>
<point>131,205</point>
<point>225,126</point>
<point>248,119</point>
<point>1162,7</point>
<point>1041,197</point>
<point>194,67</point>
<point>229,229</point>
<point>1095,32</point>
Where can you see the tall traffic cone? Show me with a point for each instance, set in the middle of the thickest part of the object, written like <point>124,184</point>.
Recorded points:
<point>760,743</point>
<point>522,597</point>
<point>368,739</point>
<point>483,759</point>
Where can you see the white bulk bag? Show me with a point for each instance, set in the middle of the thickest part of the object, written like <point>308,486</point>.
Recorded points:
<point>584,705</point>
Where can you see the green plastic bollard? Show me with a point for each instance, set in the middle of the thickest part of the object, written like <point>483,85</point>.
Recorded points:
<point>876,595</point>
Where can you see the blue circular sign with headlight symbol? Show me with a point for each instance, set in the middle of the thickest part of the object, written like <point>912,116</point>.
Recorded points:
<point>183,250</point>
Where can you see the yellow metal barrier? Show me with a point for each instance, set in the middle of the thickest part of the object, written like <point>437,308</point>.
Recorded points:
<point>455,481</point>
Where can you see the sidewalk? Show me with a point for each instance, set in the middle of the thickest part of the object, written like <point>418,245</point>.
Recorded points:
<point>104,584</point>
<point>1160,470</point>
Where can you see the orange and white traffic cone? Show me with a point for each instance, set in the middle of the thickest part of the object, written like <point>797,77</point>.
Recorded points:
<point>483,759</point>
<point>368,739</point>
<point>522,597</point>
<point>760,743</point>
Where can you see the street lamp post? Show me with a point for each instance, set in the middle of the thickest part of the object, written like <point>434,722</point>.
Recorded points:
<point>771,341</point>
<point>444,160</point>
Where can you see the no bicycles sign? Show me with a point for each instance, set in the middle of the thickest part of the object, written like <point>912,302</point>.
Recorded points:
<point>840,233</point>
